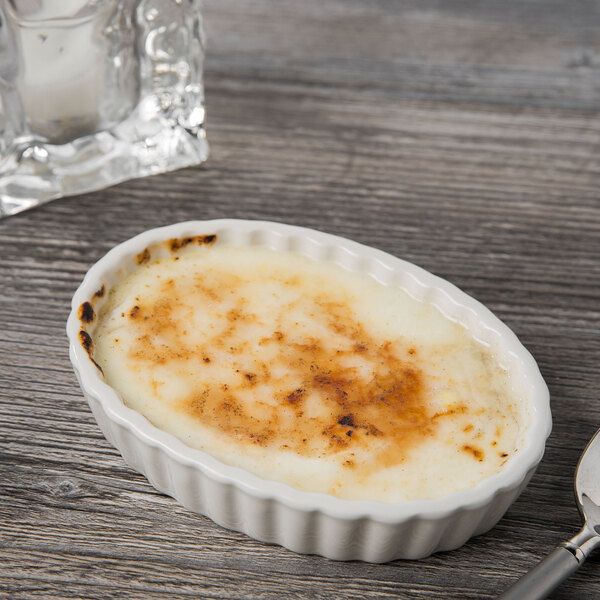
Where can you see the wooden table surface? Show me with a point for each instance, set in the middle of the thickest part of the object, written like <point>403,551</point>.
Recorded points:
<point>463,136</point>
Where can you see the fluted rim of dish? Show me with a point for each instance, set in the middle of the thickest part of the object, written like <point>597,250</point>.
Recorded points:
<point>416,281</point>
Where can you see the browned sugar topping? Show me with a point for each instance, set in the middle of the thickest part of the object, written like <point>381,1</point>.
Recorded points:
<point>143,257</point>
<point>381,405</point>
<point>86,341</point>
<point>173,245</point>
<point>86,313</point>
<point>88,345</point>
<point>476,452</point>
<point>176,244</point>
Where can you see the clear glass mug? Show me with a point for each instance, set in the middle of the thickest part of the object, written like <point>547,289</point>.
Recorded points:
<point>94,92</point>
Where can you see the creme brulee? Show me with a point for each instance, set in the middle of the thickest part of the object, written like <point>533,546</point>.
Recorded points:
<point>305,373</point>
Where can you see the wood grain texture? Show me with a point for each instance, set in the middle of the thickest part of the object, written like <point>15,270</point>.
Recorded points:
<point>463,136</point>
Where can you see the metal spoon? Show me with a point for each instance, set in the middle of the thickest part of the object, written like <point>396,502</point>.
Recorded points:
<point>569,556</point>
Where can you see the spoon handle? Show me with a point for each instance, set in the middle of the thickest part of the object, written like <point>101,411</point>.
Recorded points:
<point>544,577</point>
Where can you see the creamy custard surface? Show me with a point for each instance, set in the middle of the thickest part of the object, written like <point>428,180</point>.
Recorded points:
<point>302,372</point>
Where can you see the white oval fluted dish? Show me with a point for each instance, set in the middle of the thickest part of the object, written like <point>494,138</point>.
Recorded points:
<point>274,512</point>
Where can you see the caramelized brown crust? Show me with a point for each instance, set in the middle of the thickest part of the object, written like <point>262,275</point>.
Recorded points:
<point>88,345</point>
<point>176,244</point>
<point>380,405</point>
<point>86,313</point>
<point>143,257</point>
<point>86,342</point>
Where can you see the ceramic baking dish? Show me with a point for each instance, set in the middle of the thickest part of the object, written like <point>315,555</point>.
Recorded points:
<point>277,513</point>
